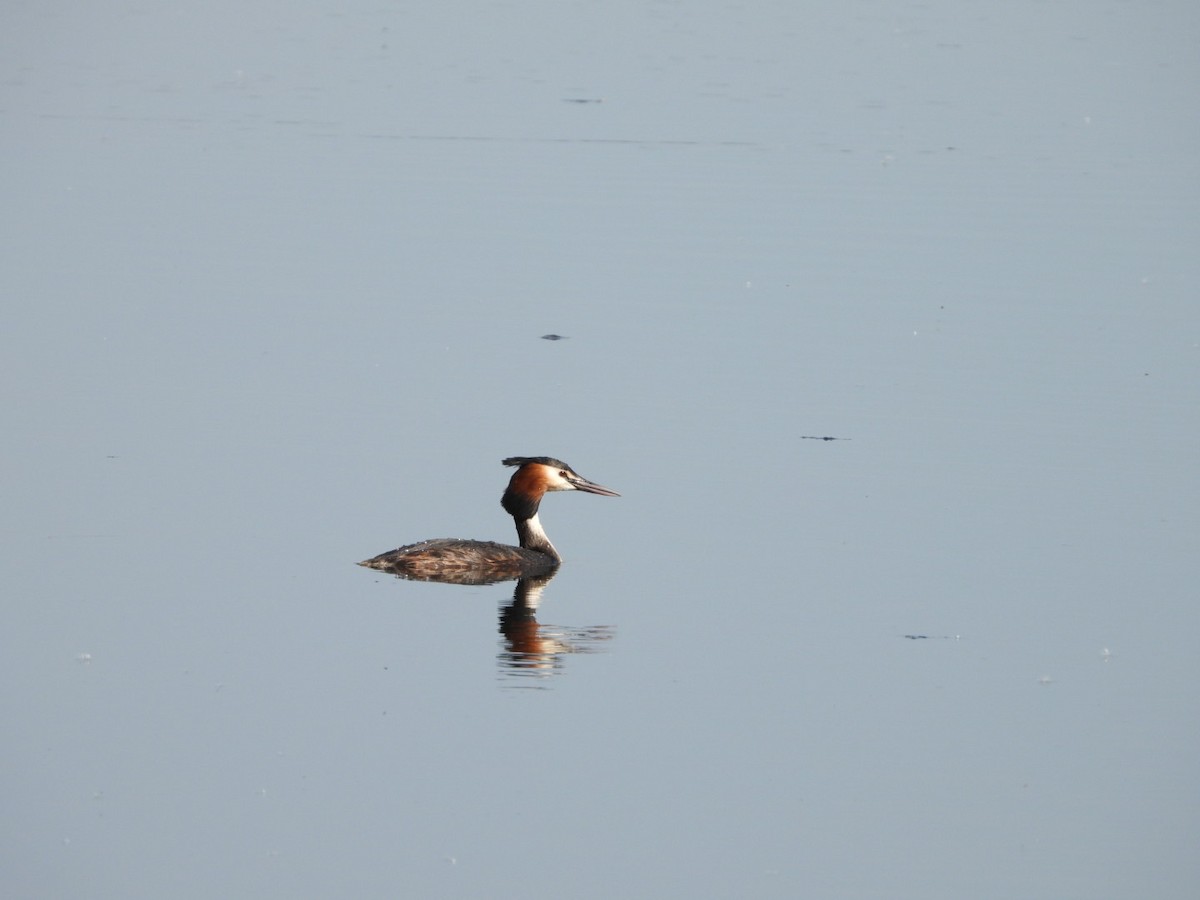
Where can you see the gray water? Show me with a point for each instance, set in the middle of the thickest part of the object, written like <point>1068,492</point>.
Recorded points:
<point>275,281</point>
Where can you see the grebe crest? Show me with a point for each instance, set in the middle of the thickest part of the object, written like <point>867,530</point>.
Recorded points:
<point>484,562</point>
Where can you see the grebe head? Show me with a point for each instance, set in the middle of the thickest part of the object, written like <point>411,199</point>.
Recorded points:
<point>535,476</point>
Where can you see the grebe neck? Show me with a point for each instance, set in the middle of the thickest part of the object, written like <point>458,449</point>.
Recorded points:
<point>532,537</point>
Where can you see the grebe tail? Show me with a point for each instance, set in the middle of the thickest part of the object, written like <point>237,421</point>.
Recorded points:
<point>485,562</point>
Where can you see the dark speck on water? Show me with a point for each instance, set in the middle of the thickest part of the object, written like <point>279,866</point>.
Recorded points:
<point>554,337</point>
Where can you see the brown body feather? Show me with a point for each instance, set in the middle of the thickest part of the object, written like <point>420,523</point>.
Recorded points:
<point>462,561</point>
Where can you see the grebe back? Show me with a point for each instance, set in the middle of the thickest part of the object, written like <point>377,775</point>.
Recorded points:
<point>482,562</point>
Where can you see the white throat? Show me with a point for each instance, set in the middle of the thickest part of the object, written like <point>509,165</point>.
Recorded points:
<point>534,538</point>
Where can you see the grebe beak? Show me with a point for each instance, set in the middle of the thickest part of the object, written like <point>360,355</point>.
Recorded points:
<point>582,484</point>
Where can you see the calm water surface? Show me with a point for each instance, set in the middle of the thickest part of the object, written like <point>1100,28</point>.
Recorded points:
<point>275,286</point>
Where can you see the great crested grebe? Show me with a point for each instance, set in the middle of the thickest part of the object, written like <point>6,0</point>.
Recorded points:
<point>451,559</point>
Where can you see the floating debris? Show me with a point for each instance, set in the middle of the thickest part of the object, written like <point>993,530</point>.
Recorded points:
<point>814,437</point>
<point>554,337</point>
<point>933,637</point>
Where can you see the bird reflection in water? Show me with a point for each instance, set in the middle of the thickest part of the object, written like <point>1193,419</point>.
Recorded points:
<point>532,649</point>
<point>529,649</point>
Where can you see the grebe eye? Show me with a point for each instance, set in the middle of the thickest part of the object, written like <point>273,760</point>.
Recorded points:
<point>563,473</point>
